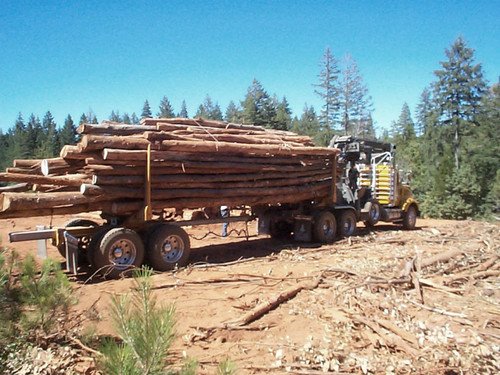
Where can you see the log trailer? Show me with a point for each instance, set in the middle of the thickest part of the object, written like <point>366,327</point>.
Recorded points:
<point>363,185</point>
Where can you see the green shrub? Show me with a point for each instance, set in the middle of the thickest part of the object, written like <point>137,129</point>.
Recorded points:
<point>146,331</point>
<point>30,301</point>
<point>49,293</point>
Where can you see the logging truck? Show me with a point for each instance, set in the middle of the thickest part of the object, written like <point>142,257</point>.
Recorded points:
<point>292,189</point>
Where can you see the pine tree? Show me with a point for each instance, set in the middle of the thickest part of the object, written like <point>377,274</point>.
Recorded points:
<point>89,117</point>
<point>283,118</point>
<point>146,110</point>
<point>355,103</point>
<point>48,146</point>
<point>216,113</point>
<point>482,150</point>
<point>209,110</point>
<point>365,128</point>
<point>115,116</point>
<point>328,89</point>
<point>452,119</point>
<point>458,93</point>
<point>258,108</point>
<point>403,136</point>
<point>3,151</point>
<point>35,135</point>
<point>68,134</point>
<point>233,113</point>
<point>126,118</point>
<point>134,119</point>
<point>308,123</point>
<point>404,129</point>
<point>18,147</point>
<point>183,113</point>
<point>84,119</point>
<point>166,110</point>
<point>426,114</point>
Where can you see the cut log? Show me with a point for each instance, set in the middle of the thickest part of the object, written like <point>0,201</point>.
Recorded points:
<point>199,122</point>
<point>66,180</point>
<point>250,189</point>
<point>66,210</point>
<point>60,165</point>
<point>26,163</point>
<point>96,142</point>
<point>24,186</point>
<point>160,136</point>
<point>442,257</point>
<point>29,171</point>
<point>136,155</point>
<point>74,153</point>
<point>30,201</point>
<point>165,180</point>
<point>108,127</point>
<point>122,206</point>
<point>99,142</point>
<point>242,149</point>
<point>264,307</point>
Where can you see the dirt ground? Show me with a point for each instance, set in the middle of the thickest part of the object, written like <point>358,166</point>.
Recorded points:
<point>379,302</point>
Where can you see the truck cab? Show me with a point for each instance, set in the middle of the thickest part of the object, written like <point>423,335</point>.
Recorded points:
<point>372,183</point>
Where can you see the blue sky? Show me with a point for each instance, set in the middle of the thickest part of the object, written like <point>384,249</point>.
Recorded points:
<point>72,56</point>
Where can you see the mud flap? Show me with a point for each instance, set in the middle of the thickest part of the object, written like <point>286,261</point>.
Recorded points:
<point>41,248</point>
<point>71,253</point>
<point>302,231</point>
<point>264,225</point>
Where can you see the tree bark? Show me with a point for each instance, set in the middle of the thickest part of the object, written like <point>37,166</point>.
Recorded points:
<point>65,180</point>
<point>27,201</point>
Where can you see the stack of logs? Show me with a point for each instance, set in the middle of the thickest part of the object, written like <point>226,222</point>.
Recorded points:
<point>193,163</point>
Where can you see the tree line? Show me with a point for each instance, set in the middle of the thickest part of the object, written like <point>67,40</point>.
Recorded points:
<point>451,146</point>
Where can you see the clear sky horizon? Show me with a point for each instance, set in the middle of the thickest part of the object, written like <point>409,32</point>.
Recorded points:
<point>70,57</point>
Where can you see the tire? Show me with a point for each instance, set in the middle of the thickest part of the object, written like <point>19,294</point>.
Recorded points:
<point>346,223</point>
<point>410,218</point>
<point>373,208</point>
<point>325,227</point>
<point>119,248</point>
<point>83,242</point>
<point>168,248</point>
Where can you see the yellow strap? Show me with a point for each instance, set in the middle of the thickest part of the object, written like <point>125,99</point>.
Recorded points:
<point>147,204</point>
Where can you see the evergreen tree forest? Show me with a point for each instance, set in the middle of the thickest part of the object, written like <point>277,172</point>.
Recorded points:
<point>450,141</point>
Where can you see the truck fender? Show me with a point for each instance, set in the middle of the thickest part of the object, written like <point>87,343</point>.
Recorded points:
<point>409,202</point>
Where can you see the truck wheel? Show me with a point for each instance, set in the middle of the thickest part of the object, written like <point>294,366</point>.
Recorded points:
<point>168,247</point>
<point>347,223</point>
<point>410,218</point>
<point>325,227</point>
<point>373,213</point>
<point>83,242</point>
<point>119,250</point>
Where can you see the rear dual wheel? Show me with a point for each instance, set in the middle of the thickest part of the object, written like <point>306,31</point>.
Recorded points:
<point>347,223</point>
<point>168,248</point>
<point>373,208</point>
<point>117,250</point>
<point>325,227</point>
